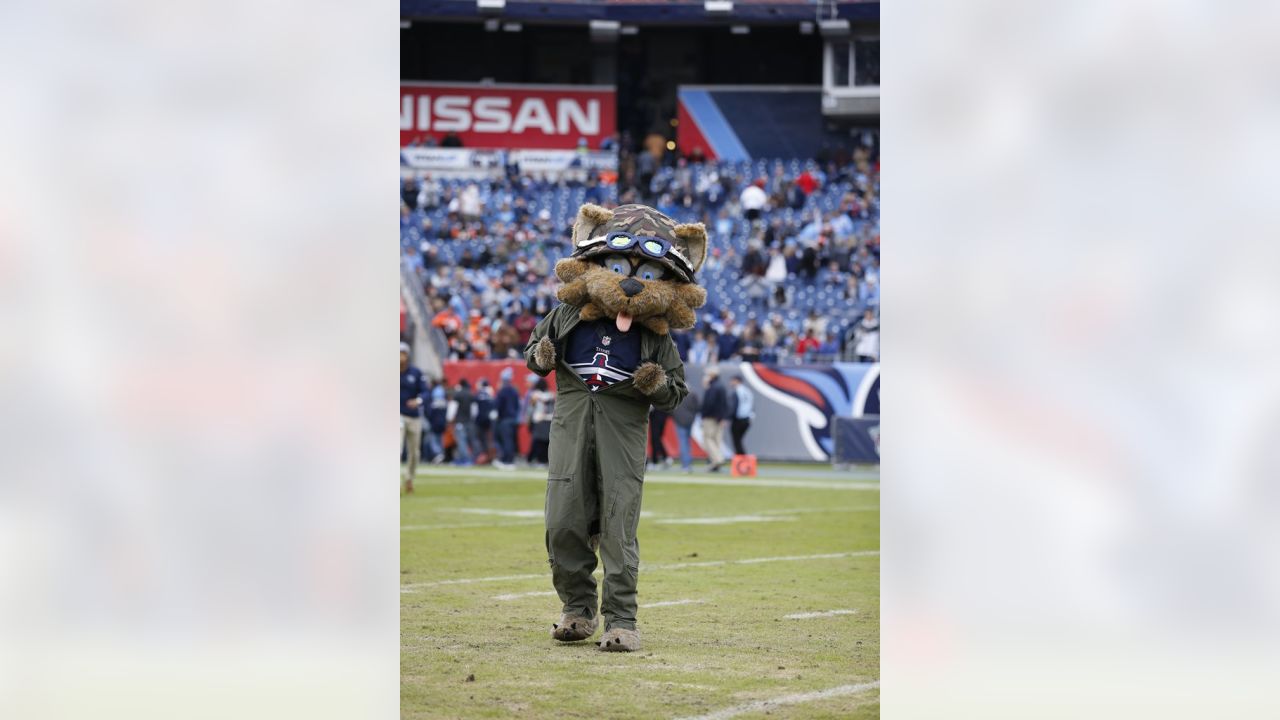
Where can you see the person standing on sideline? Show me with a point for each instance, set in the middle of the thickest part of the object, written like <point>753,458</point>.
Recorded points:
<point>657,427</point>
<point>715,416</point>
<point>544,403</point>
<point>486,418</point>
<point>684,415</point>
<point>437,421</point>
<point>412,389</point>
<point>463,427</point>
<point>526,411</point>
<point>742,403</point>
<point>508,403</point>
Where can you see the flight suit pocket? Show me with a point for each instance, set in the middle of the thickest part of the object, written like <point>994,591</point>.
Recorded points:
<point>625,507</point>
<point>562,502</point>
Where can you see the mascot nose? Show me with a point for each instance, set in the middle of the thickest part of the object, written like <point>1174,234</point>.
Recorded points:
<point>631,286</point>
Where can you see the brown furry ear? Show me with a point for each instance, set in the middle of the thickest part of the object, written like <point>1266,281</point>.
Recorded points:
<point>694,236</point>
<point>570,269</point>
<point>590,217</point>
<point>692,295</point>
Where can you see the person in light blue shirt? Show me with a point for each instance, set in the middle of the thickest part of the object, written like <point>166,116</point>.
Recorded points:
<point>742,408</point>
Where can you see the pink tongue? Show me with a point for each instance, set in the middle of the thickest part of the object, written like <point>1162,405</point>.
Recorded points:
<point>624,321</point>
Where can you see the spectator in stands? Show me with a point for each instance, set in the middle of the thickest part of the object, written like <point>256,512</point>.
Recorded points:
<point>753,200</point>
<point>727,343</point>
<point>816,323</point>
<point>866,337</point>
<point>409,193</point>
<point>715,418</point>
<point>700,348</point>
<point>446,319</point>
<point>751,346</point>
<point>524,324</point>
<point>506,340</point>
<point>742,410</point>
<point>451,140</point>
<point>869,291</point>
<point>508,408</point>
<point>429,192</point>
<point>807,182</point>
<point>470,206</point>
<point>807,344</point>
<point>829,350</point>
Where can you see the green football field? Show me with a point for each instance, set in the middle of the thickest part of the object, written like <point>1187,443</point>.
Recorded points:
<point>758,597</point>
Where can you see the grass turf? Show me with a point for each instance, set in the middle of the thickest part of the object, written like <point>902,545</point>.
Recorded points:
<point>730,647</point>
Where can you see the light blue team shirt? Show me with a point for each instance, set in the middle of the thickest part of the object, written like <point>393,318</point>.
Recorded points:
<point>745,400</point>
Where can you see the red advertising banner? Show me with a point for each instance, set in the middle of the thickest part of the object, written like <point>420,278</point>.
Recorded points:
<point>542,117</point>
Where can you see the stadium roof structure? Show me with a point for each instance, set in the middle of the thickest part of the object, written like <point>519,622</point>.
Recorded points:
<point>646,11</point>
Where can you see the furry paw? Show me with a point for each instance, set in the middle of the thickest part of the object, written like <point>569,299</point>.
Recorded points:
<point>544,354</point>
<point>573,628</point>
<point>649,377</point>
<point>620,640</point>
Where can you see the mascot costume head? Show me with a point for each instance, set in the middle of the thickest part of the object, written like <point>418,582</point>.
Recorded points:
<point>634,264</point>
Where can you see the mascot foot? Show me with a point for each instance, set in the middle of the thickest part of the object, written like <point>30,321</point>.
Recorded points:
<point>620,640</point>
<point>649,377</point>
<point>544,354</point>
<point>572,628</point>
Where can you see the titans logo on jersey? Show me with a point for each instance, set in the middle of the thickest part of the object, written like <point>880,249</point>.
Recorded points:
<point>601,355</point>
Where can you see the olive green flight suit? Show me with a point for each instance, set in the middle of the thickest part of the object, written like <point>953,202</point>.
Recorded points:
<point>596,472</point>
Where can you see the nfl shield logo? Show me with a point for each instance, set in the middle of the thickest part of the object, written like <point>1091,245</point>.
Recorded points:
<point>606,340</point>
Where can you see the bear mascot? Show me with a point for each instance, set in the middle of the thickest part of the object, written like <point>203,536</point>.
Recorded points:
<point>629,280</point>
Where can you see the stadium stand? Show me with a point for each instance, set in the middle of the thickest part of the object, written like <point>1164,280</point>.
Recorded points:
<point>788,285</point>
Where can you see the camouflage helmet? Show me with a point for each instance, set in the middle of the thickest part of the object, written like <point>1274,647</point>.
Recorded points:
<point>599,231</point>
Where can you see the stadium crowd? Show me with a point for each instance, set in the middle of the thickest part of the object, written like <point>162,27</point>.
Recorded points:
<point>794,273</point>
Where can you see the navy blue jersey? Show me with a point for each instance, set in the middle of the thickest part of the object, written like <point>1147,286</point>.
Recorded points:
<point>412,385</point>
<point>601,355</point>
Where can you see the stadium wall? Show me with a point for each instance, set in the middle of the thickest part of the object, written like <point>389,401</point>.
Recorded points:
<point>795,405</point>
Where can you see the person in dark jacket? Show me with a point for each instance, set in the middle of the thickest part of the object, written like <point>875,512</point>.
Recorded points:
<point>463,424</point>
<point>715,417</point>
<point>413,387</point>
<point>486,415</point>
<point>437,421</point>
<point>657,428</point>
<point>685,414</point>
<point>508,406</point>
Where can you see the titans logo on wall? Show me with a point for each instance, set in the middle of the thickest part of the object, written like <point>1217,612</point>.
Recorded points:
<point>815,394</point>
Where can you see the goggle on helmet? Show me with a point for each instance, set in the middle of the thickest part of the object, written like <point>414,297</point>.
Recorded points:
<point>654,247</point>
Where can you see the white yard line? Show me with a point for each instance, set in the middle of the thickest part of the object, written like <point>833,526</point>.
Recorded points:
<point>500,513</point>
<point>517,596</point>
<point>727,520</point>
<point>535,517</point>
<point>761,705</point>
<point>825,613</point>
<point>452,526</point>
<point>667,603</point>
<point>412,587</point>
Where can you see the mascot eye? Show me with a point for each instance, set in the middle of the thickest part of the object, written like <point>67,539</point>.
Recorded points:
<point>617,264</point>
<point>651,271</point>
